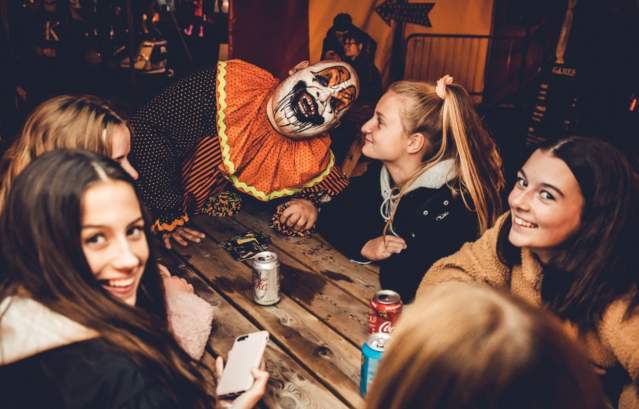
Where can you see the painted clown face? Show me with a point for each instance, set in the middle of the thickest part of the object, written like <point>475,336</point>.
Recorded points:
<point>312,100</point>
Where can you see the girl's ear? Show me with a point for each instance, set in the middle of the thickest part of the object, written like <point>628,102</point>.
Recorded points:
<point>416,142</point>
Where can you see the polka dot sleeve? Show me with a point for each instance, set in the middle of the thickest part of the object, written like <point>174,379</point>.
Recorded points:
<point>165,133</point>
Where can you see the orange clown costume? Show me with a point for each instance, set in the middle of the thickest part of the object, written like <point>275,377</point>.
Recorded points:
<point>211,130</point>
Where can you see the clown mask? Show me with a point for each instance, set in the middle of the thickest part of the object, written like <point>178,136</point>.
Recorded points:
<point>312,100</point>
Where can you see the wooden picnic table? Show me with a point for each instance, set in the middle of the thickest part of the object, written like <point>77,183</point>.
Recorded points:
<point>317,328</point>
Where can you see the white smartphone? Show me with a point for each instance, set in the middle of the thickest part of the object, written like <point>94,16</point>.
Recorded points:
<point>246,353</point>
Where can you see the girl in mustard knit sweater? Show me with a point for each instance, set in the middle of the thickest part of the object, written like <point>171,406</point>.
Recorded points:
<point>569,243</point>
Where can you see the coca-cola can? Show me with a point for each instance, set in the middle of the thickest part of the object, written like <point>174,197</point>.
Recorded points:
<point>385,309</point>
<point>266,278</point>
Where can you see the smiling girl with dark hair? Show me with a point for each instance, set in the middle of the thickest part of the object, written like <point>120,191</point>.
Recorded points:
<point>90,123</point>
<point>83,319</point>
<point>568,243</point>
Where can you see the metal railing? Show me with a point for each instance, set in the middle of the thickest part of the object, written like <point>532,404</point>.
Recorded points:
<point>483,64</point>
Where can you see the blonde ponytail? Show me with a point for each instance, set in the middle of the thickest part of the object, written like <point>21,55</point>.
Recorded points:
<point>478,162</point>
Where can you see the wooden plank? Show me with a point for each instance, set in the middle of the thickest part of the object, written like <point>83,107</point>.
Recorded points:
<point>262,214</point>
<point>316,254</point>
<point>290,385</point>
<point>327,301</point>
<point>333,359</point>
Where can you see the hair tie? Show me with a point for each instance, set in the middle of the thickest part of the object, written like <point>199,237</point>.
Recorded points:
<point>440,89</point>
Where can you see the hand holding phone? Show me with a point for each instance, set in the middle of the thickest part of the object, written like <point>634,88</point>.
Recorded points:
<point>246,354</point>
<point>250,398</point>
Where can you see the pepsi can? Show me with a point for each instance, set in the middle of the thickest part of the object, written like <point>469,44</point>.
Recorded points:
<point>372,351</point>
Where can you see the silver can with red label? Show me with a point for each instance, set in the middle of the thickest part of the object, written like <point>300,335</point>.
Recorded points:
<point>266,278</point>
<point>385,308</point>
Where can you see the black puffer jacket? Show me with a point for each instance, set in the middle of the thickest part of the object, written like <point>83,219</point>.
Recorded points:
<point>432,221</point>
<point>48,361</point>
<point>86,374</point>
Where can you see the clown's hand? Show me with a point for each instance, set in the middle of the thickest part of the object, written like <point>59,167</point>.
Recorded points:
<point>300,214</point>
<point>299,66</point>
<point>182,235</point>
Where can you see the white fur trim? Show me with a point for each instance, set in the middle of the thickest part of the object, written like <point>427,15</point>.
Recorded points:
<point>28,328</point>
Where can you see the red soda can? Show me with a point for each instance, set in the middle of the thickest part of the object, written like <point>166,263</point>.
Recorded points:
<point>386,307</point>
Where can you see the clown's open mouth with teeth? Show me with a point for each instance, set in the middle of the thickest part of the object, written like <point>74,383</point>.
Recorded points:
<point>304,105</point>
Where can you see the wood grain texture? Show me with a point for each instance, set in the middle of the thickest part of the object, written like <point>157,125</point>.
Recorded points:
<point>333,359</point>
<point>316,254</point>
<point>290,386</point>
<point>326,300</point>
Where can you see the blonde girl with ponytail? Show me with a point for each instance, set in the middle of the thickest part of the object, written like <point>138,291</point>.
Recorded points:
<point>437,185</point>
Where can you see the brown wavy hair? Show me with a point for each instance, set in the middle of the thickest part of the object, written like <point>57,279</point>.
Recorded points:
<point>63,122</point>
<point>466,346</point>
<point>454,130</point>
<point>41,254</point>
<point>597,264</point>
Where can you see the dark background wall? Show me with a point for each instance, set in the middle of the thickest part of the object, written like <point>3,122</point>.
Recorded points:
<point>278,38</point>
<point>273,34</point>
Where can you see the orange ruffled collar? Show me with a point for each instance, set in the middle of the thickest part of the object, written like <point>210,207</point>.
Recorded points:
<point>257,159</point>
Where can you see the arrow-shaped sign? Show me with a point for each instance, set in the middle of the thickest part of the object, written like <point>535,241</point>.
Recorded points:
<point>416,13</point>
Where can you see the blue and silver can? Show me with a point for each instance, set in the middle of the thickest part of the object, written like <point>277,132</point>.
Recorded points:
<point>372,351</point>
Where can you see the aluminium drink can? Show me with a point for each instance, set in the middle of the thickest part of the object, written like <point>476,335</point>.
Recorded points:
<point>385,308</point>
<point>372,351</point>
<point>266,278</point>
